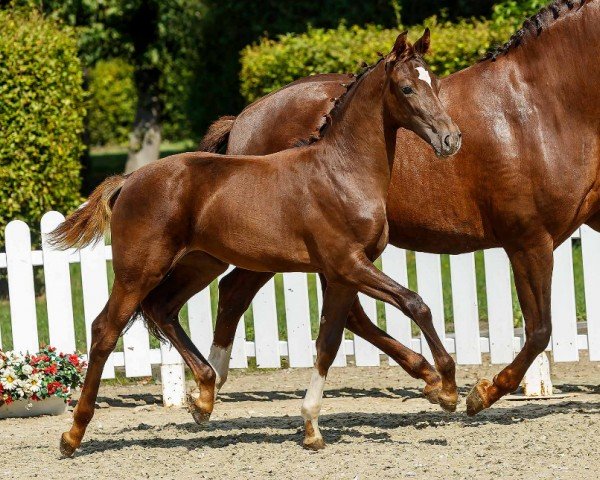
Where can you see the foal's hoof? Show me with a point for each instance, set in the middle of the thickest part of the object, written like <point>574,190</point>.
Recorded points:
<point>66,445</point>
<point>448,401</point>
<point>432,394</point>
<point>314,443</point>
<point>477,399</point>
<point>200,417</point>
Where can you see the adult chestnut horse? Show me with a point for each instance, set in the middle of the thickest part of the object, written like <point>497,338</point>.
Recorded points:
<point>527,175</point>
<point>176,225</point>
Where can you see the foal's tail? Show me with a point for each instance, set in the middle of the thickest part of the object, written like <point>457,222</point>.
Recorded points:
<point>88,223</point>
<point>217,135</point>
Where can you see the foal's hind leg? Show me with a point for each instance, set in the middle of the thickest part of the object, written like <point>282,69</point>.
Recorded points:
<point>106,329</point>
<point>414,364</point>
<point>360,273</point>
<point>161,307</point>
<point>192,274</point>
<point>336,305</point>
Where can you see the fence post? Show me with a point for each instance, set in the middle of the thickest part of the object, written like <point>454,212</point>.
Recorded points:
<point>537,380</point>
<point>20,287</point>
<point>57,278</point>
<point>172,374</point>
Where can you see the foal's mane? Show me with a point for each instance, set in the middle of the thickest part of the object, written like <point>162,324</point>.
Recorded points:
<point>534,25</point>
<point>338,103</point>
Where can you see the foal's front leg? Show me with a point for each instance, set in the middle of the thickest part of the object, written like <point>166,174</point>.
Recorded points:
<point>336,305</point>
<point>415,364</point>
<point>360,273</point>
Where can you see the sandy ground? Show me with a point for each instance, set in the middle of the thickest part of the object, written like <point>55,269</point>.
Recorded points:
<point>374,420</point>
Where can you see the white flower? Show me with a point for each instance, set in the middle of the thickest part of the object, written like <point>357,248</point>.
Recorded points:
<point>9,379</point>
<point>27,369</point>
<point>34,383</point>
<point>15,357</point>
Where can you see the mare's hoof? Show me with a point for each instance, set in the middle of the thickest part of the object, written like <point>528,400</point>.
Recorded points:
<point>315,443</point>
<point>476,400</point>
<point>66,446</point>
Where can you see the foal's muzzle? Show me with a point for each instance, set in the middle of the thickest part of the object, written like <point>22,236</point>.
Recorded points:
<point>450,143</point>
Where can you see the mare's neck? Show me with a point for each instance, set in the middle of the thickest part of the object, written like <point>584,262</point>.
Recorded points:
<point>559,69</point>
<point>360,139</point>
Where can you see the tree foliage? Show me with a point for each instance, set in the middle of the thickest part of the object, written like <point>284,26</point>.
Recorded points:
<point>271,64</point>
<point>231,25</point>
<point>112,102</point>
<point>41,117</point>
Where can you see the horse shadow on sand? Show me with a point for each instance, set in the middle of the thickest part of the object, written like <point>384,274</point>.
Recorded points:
<point>337,428</point>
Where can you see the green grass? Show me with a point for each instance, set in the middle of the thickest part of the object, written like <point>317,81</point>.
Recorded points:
<point>5,326</point>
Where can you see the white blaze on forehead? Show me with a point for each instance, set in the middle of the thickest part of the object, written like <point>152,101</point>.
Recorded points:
<point>424,75</point>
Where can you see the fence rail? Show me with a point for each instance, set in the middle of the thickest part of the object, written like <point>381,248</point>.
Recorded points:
<point>468,339</point>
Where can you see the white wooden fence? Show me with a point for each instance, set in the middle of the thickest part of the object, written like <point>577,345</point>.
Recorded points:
<point>499,338</point>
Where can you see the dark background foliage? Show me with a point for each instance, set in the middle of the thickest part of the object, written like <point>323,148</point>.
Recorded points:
<point>229,25</point>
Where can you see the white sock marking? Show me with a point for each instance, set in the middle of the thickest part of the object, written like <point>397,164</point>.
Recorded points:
<point>219,359</point>
<point>311,405</point>
<point>424,75</point>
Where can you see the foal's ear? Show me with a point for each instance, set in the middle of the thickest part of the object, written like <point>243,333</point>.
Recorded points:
<point>423,43</point>
<point>399,47</point>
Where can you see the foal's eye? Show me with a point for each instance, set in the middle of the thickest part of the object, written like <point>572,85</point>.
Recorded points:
<point>407,90</point>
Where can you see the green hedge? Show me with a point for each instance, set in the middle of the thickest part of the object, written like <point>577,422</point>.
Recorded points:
<point>112,103</point>
<point>41,117</point>
<point>272,64</point>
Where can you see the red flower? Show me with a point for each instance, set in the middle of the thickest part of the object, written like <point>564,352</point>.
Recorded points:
<point>1,389</point>
<point>51,369</point>
<point>74,359</point>
<point>8,400</point>
<point>53,387</point>
<point>52,349</point>
<point>34,397</point>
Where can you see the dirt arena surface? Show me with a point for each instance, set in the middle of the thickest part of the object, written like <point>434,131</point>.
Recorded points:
<point>374,420</point>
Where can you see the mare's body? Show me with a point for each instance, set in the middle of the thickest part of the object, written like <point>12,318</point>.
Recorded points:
<point>527,176</point>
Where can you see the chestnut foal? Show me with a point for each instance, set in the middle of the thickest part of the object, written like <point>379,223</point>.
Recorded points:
<point>177,223</point>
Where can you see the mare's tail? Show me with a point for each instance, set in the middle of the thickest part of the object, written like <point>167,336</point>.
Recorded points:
<point>217,135</point>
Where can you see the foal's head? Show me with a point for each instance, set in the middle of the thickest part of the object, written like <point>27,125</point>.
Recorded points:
<point>411,96</point>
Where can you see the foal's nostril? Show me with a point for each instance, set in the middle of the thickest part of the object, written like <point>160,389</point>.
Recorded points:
<point>447,139</point>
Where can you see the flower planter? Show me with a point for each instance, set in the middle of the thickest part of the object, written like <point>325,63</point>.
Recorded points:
<point>19,408</point>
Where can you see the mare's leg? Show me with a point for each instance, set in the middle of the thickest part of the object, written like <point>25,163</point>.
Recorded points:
<point>236,291</point>
<point>532,269</point>
<point>192,274</point>
<point>336,305</point>
<point>360,273</point>
<point>414,364</point>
